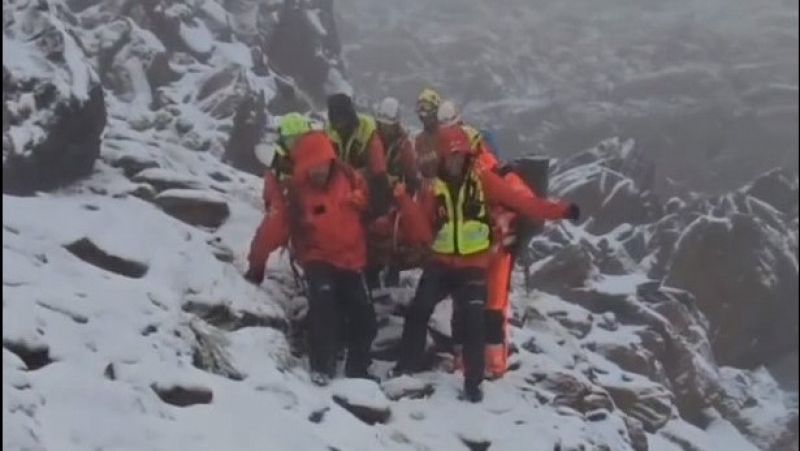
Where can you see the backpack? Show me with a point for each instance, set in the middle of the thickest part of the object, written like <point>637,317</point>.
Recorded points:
<point>533,171</point>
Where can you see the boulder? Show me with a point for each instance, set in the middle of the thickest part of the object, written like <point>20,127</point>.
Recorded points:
<point>304,44</point>
<point>407,387</point>
<point>195,207</point>
<point>649,403</point>
<point>363,398</point>
<point>570,266</point>
<point>745,280</point>
<point>91,253</point>
<point>183,396</point>
<point>63,146</point>
<point>248,130</point>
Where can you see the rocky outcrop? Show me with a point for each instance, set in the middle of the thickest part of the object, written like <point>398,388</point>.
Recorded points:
<point>304,44</point>
<point>363,398</point>
<point>745,281</point>
<point>249,125</point>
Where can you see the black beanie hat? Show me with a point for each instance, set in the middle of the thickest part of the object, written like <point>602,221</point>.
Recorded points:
<point>340,106</point>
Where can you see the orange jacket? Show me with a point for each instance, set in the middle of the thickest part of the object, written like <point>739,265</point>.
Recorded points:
<point>272,192</point>
<point>499,193</point>
<point>323,224</point>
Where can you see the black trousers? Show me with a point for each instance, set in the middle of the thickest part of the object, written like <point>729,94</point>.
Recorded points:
<point>467,287</point>
<point>338,298</point>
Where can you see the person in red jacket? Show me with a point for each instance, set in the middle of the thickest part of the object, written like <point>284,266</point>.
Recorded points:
<point>322,216</point>
<point>458,228</point>
<point>384,253</point>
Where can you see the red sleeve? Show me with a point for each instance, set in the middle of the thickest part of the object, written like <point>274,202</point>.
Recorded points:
<point>534,208</point>
<point>272,233</point>
<point>377,156</point>
<point>414,223</point>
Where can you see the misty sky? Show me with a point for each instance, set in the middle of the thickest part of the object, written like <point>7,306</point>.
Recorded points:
<point>709,87</point>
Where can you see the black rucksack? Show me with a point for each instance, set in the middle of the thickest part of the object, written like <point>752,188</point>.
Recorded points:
<point>534,172</point>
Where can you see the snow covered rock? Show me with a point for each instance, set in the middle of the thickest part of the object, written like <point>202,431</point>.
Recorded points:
<point>54,108</point>
<point>647,402</point>
<point>611,183</point>
<point>363,398</point>
<point>249,124</point>
<point>406,387</point>
<point>745,281</point>
<point>195,207</point>
<point>89,252</point>
<point>183,396</point>
<point>163,179</point>
<point>304,44</point>
<point>777,188</point>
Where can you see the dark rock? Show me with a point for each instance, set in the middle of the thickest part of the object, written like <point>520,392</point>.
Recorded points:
<point>367,414</point>
<point>650,404</point>
<point>145,192</point>
<point>746,284</point>
<point>482,445</point>
<point>219,177</point>
<point>89,252</point>
<point>149,329</point>
<point>132,165</point>
<point>571,266</point>
<point>34,356</point>
<point>569,391</point>
<point>222,252</point>
<point>296,48</point>
<point>222,317</point>
<point>777,188</point>
<point>636,433</point>
<point>248,129</point>
<point>183,396</point>
<point>110,373</point>
<point>194,207</point>
<point>577,326</point>
<point>318,415</point>
<point>209,355</point>
<point>66,154</point>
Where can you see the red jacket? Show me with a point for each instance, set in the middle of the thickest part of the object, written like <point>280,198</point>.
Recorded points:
<point>272,192</point>
<point>499,193</point>
<point>324,225</point>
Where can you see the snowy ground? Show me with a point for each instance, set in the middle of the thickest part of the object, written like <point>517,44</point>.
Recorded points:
<point>108,340</point>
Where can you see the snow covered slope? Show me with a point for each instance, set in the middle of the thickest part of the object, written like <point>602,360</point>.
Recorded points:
<point>127,324</point>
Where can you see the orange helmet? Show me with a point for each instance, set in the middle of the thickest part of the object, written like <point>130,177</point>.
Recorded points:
<point>453,139</point>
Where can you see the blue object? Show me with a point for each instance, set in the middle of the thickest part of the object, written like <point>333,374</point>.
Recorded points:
<point>488,137</point>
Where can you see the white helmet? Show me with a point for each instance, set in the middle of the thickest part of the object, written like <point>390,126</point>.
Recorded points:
<point>448,113</point>
<point>388,111</point>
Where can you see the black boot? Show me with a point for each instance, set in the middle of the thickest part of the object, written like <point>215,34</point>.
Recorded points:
<point>473,392</point>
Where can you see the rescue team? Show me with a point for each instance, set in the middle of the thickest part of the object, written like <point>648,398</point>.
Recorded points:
<point>360,199</point>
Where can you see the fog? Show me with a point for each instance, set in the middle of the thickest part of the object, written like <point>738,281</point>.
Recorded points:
<point>708,88</point>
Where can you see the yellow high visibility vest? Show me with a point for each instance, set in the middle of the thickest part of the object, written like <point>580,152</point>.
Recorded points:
<point>465,227</point>
<point>353,152</point>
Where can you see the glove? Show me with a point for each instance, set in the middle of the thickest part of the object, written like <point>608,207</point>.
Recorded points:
<point>254,275</point>
<point>573,213</point>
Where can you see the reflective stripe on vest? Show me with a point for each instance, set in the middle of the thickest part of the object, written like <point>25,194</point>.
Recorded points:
<point>353,152</point>
<point>475,137</point>
<point>465,228</point>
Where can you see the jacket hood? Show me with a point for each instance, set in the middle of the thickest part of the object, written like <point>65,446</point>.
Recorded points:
<point>311,150</point>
